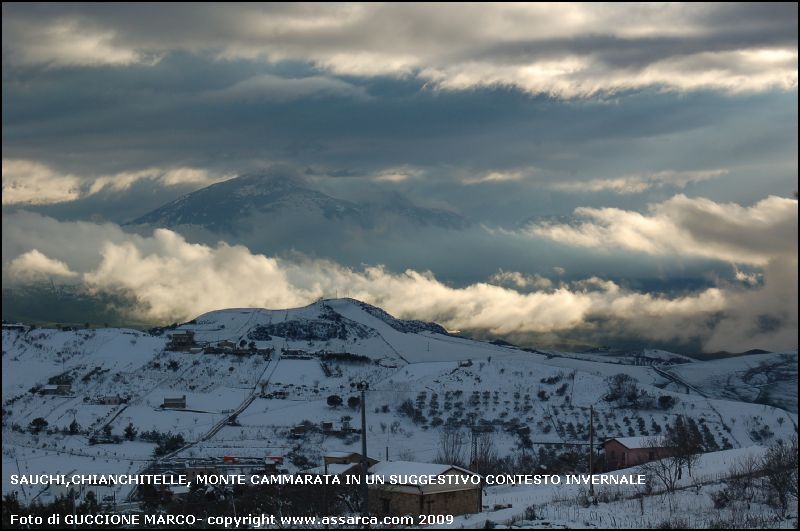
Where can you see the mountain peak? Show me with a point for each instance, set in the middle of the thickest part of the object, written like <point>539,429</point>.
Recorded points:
<point>265,197</point>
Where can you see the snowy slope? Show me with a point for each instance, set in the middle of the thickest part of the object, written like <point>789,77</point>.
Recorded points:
<point>420,379</point>
<point>763,378</point>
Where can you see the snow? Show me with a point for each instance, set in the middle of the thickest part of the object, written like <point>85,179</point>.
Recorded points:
<point>386,469</point>
<point>768,378</point>
<point>445,377</point>
<point>565,505</point>
<point>637,442</point>
<point>334,469</point>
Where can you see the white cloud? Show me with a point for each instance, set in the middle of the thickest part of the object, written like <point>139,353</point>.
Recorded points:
<point>33,265</point>
<point>751,278</point>
<point>275,88</point>
<point>560,49</point>
<point>634,184</point>
<point>397,174</point>
<point>684,226</point>
<point>68,42</point>
<point>29,182</point>
<point>763,235</point>
<point>519,280</point>
<point>171,278</point>
<point>498,176</point>
<point>741,71</point>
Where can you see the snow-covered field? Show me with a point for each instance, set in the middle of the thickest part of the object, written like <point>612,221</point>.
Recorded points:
<point>247,404</point>
<point>631,506</point>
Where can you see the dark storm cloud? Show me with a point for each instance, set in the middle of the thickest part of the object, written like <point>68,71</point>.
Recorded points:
<point>101,89</point>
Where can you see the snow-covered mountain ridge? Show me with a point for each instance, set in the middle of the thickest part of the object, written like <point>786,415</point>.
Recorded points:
<point>231,206</point>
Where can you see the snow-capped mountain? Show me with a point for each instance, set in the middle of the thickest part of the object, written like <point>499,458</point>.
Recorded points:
<point>258,199</point>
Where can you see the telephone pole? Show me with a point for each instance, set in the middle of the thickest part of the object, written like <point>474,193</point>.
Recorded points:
<point>591,449</point>
<point>363,386</point>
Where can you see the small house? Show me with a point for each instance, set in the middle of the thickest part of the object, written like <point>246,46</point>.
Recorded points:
<point>182,340</point>
<point>109,400</point>
<point>340,458</point>
<point>624,452</point>
<point>340,464</point>
<point>55,389</point>
<point>462,495</point>
<point>298,431</point>
<point>174,403</point>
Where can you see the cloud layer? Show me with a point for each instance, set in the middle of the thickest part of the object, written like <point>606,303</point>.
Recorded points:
<point>171,278</point>
<point>686,226</point>
<point>565,50</point>
<point>26,182</point>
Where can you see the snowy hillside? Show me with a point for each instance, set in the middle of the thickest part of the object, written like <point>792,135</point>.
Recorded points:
<point>763,378</point>
<point>258,382</point>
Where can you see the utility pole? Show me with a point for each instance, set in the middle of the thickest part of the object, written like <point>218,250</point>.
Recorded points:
<point>591,449</point>
<point>363,386</point>
<point>473,458</point>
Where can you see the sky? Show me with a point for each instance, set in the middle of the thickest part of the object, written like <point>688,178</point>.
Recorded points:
<point>629,171</point>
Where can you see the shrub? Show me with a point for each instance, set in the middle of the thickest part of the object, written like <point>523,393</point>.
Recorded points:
<point>334,401</point>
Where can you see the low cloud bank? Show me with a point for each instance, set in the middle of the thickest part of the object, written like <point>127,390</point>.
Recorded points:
<point>170,278</point>
<point>27,182</point>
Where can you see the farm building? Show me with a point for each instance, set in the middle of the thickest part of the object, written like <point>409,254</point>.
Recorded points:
<point>623,452</point>
<point>340,464</point>
<point>55,389</point>
<point>396,499</point>
<point>341,458</point>
<point>174,403</point>
<point>109,400</point>
<point>183,340</point>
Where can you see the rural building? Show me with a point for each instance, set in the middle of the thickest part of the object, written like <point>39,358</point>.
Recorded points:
<point>398,499</point>
<point>109,400</point>
<point>624,452</point>
<point>183,340</point>
<point>295,354</point>
<point>55,389</point>
<point>341,458</point>
<point>174,403</point>
<point>340,464</point>
<point>224,466</point>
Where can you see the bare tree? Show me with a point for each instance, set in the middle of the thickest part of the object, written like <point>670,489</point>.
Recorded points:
<point>780,470</point>
<point>668,469</point>
<point>452,446</point>
<point>685,441</point>
<point>486,457</point>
